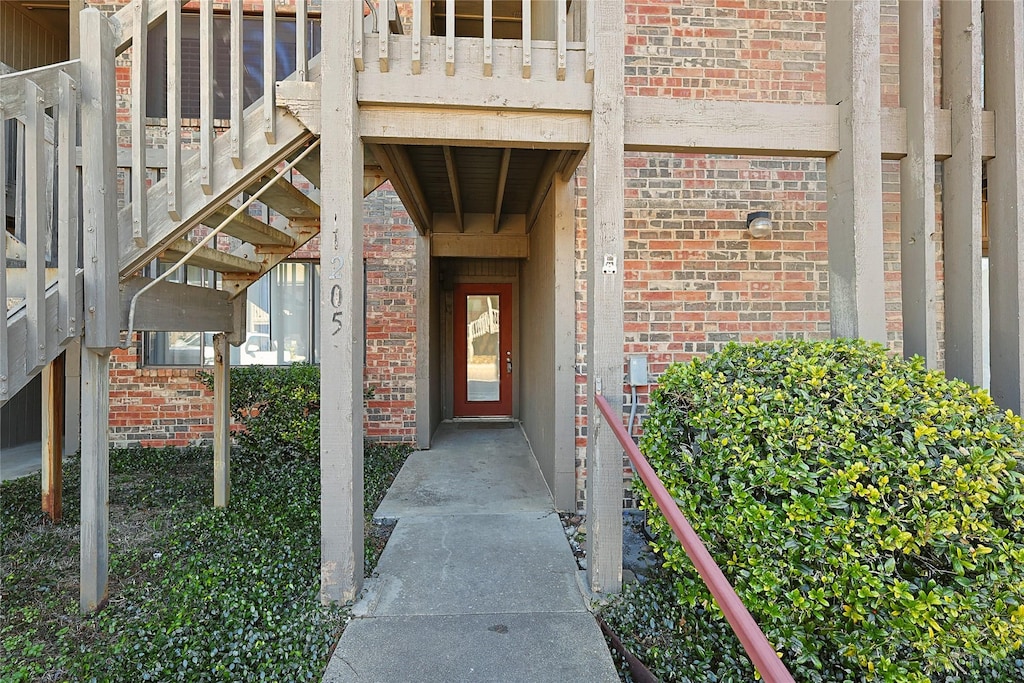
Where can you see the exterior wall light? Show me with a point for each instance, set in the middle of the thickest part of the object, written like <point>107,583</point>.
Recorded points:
<point>759,224</point>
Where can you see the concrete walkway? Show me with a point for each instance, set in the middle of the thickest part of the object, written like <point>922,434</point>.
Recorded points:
<point>477,582</point>
<point>21,461</point>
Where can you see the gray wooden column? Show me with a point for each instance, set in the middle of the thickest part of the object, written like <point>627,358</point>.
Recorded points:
<point>72,395</point>
<point>605,338</point>
<point>221,420</point>
<point>917,181</point>
<point>102,323</point>
<point>341,312</point>
<point>425,293</point>
<point>1004,94</point>
<point>854,174</point>
<point>961,189</point>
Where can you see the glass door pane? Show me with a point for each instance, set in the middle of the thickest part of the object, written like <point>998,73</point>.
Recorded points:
<point>483,362</point>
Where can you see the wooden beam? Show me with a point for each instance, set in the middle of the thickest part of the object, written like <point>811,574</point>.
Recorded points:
<point>445,244</point>
<point>961,198</point>
<point>341,334</point>
<point>221,420</point>
<point>605,211</point>
<point>406,186</point>
<point>1004,94</point>
<point>212,259</point>
<point>309,167</point>
<point>542,92</point>
<point>499,188</point>
<point>854,173</point>
<point>302,99</point>
<point>95,469</point>
<point>99,186</point>
<point>53,438</point>
<point>47,78</point>
<point>475,127</point>
<point>552,163</point>
<point>248,229</point>
<point>917,182</point>
<point>453,184</point>
<point>175,307</point>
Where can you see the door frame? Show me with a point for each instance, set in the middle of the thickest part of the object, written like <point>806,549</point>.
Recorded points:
<point>505,405</point>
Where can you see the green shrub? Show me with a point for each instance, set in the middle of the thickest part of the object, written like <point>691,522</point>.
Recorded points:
<point>279,408</point>
<point>867,510</point>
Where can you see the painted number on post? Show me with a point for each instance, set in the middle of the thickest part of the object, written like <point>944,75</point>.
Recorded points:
<point>336,305</point>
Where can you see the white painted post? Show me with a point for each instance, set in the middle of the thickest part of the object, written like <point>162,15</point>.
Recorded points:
<point>488,37</point>
<point>174,111</point>
<point>301,38</point>
<point>102,318</point>
<point>341,335</point>
<point>235,134</point>
<point>221,420</point>
<point>527,38</point>
<point>560,73</point>
<point>417,33</point>
<point>356,29</point>
<point>206,69</point>
<point>1004,94</point>
<point>854,174</point>
<point>383,35</point>
<point>36,173</point>
<point>140,32</point>
<point>605,340</point>
<point>449,37</point>
<point>269,72</point>
<point>917,182</point>
<point>590,56</point>
<point>961,185</point>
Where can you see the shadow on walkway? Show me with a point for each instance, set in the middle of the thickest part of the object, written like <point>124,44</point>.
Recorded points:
<point>477,582</point>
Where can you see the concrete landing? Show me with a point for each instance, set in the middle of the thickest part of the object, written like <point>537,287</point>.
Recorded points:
<point>21,461</point>
<point>477,582</point>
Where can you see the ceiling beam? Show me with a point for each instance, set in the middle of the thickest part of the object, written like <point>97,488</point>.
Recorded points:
<point>403,179</point>
<point>453,182</point>
<point>506,155</point>
<point>552,163</point>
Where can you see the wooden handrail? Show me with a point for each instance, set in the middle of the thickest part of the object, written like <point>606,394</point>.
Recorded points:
<point>761,652</point>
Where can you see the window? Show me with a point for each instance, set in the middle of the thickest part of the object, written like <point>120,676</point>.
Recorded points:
<point>252,57</point>
<point>282,322</point>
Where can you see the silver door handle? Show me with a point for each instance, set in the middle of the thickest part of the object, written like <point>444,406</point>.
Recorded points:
<point>508,362</point>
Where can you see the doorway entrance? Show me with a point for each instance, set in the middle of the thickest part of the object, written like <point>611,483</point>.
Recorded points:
<point>482,350</point>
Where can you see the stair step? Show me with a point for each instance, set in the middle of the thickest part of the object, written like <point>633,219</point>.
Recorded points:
<point>212,259</point>
<point>249,229</point>
<point>286,199</point>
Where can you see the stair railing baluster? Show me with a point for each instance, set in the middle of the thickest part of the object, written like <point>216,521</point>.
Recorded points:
<point>301,40</point>
<point>67,208</point>
<point>269,71</point>
<point>34,180</point>
<point>174,110</point>
<point>139,186</point>
<point>206,112</point>
<point>235,135</point>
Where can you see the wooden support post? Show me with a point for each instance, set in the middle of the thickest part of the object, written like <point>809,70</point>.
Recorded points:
<point>102,324</point>
<point>917,181</point>
<point>95,469</point>
<point>341,295</point>
<point>221,420</point>
<point>605,341</point>
<point>53,438</point>
<point>499,190</point>
<point>961,189</point>
<point>854,174</point>
<point>1004,94</point>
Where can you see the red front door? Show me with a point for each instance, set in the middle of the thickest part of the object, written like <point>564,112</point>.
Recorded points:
<point>483,350</point>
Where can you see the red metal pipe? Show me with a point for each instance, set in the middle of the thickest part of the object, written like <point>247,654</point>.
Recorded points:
<point>760,651</point>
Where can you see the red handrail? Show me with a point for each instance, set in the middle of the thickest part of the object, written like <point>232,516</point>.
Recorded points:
<point>760,651</point>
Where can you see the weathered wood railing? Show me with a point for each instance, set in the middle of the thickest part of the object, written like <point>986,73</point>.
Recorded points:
<point>39,281</point>
<point>756,645</point>
<point>560,30</point>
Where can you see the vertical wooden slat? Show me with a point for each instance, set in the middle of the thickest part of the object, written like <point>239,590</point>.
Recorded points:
<point>383,34</point>
<point>417,33</point>
<point>301,40</point>
<point>138,183</point>
<point>527,38</point>
<point>221,420</point>
<point>4,346</point>
<point>35,228</point>
<point>854,175</point>
<point>53,438</point>
<point>206,67</point>
<point>917,181</point>
<point>605,209</point>
<point>488,37</point>
<point>449,37</point>
<point>67,208</point>
<point>235,135</point>
<point>269,72</point>
<point>560,73</point>
<point>588,18</point>
<point>961,189</point>
<point>1004,94</point>
<point>174,110</point>
<point>341,334</point>
<point>357,37</point>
